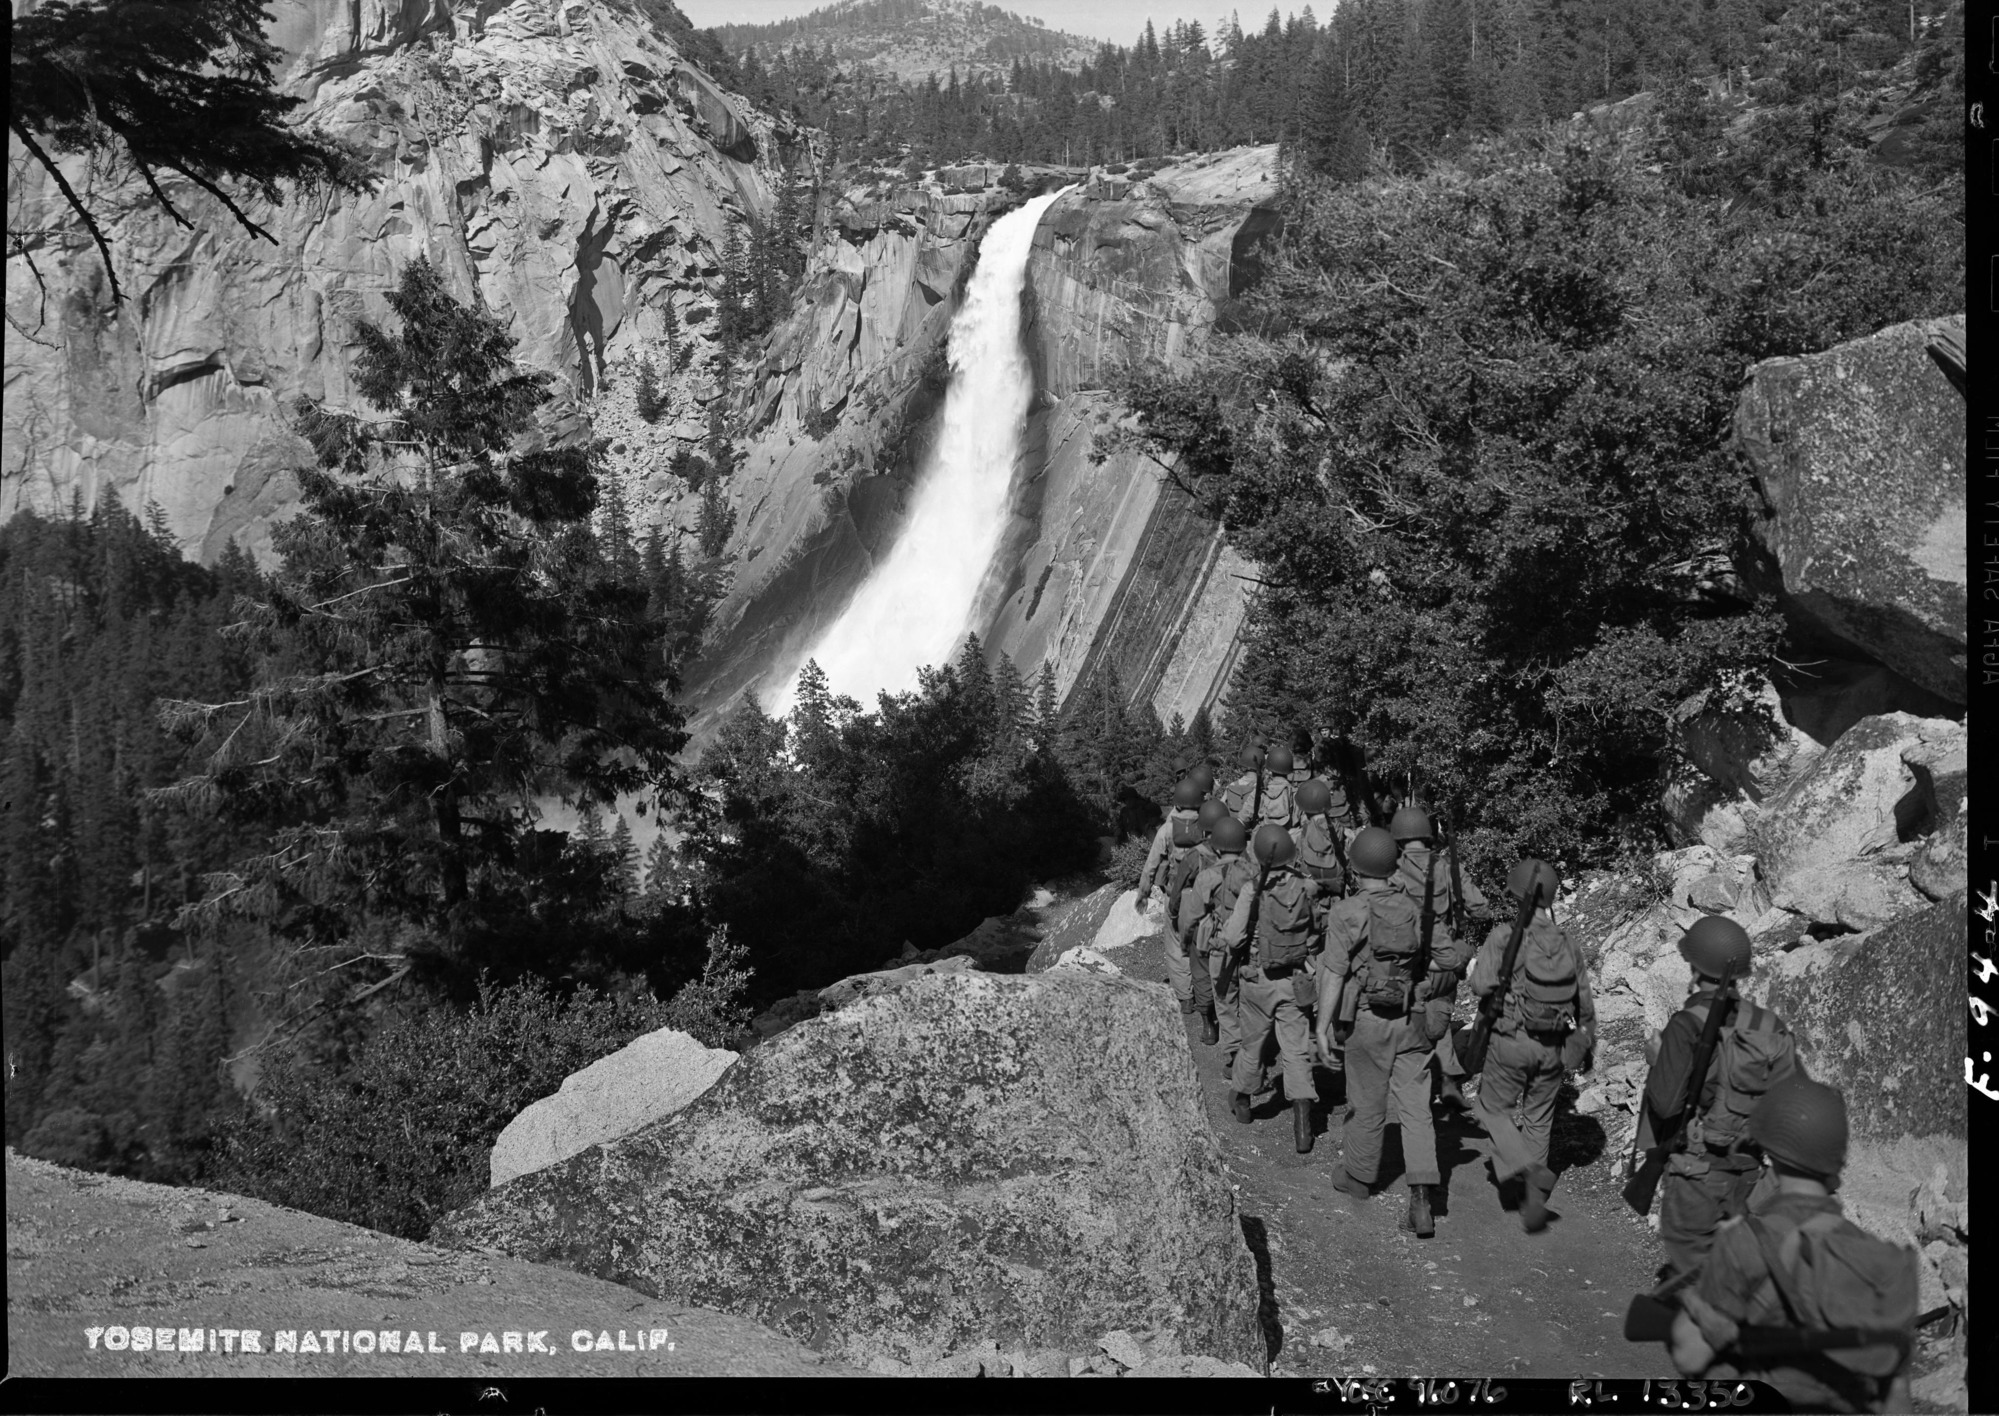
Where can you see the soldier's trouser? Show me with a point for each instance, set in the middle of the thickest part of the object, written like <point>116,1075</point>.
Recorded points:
<point>1446,1053</point>
<point>1524,1075</point>
<point>1695,1195</point>
<point>1388,1064</point>
<point>1178,973</point>
<point>1270,1005</point>
<point>1228,1015</point>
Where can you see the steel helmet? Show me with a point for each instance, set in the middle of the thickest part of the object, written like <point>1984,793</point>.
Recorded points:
<point>1202,776</point>
<point>1803,1124</point>
<point>1187,795</point>
<point>1250,758</point>
<point>1274,845</point>
<point>1314,797</point>
<point>1279,759</point>
<point>1213,813</point>
<point>1373,852</point>
<point>1229,836</point>
<point>1411,823</point>
<point>1537,876</point>
<point>1715,945</point>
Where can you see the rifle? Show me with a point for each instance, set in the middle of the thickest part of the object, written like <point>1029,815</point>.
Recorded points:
<point>1644,1182</point>
<point>1650,1319</point>
<point>1472,1044</point>
<point>1255,904</point>
<point>1457,878</point>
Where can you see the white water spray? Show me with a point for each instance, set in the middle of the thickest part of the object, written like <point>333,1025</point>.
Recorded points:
<point>914,608</point>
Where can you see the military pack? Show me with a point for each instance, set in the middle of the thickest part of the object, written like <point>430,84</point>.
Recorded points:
<point>1284,923</point>
<point>1834,1277</point>
<point>1543,996</point>
<point>1754,1053</point>
<point>1394,944</point>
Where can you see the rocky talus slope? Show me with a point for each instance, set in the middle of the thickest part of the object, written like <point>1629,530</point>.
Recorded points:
<point>557,158</point>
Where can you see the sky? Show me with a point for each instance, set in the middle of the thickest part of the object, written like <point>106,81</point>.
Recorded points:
<point>1119,21</point>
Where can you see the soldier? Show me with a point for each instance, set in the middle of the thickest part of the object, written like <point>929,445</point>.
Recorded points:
<point>1201,982</point>
<point>1372,981</point>
<point>1795,1262</point>
<point>1321,847</point>
<point>1711,1178</point>
<point>1179,833</point>
<point>1277,805</point>
<point>1546,1022</point>
<point>1204,904</point>
<point>1271,928</point>
<point>1203,776</point>
<point>1241,794</point>
<point>1426,878</point>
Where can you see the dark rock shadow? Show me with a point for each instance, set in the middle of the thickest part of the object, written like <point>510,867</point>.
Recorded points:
<point>1257,1237</point>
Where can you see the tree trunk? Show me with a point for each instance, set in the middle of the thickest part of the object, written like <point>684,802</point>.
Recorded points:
<point>445,802</point>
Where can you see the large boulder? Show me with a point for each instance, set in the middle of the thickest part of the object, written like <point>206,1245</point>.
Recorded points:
<point>1882,1019</point>
<point>1838,842</point>
<point>971,1156</point>
<point>653,1076</point>
<point>1859,455</point>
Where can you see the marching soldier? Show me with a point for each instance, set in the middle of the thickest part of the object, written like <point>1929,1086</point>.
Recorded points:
<point>1241,795</point>
<point>1372,978</point>
<point>1177,836</point>
<point>1426,878</point>
<point>1200,980</point>
<point>1546,1021</point>
<point>1204,904</point>
<point>1711,1178</point>
<point>1277,806</point>
<point>1800,1277</point>
<point>1271,929</point>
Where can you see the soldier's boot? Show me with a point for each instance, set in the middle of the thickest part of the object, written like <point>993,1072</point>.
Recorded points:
<point>1239,1106</point>
<point>1451,1094</point>
<point>1186,1005</point>
<point>1301,1126</point>
<point>1420,1218</point>
<point>1344,1182</point>
<point>1540,1183</point>
<point>1211,1030</point>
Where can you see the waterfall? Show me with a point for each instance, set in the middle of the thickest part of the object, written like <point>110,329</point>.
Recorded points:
<point>913,610</point>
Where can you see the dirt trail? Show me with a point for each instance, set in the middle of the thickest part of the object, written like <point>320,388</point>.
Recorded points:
<point>1481,1298</point>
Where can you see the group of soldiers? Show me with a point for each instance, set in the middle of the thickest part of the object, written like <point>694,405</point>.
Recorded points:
<point>1297,926</point>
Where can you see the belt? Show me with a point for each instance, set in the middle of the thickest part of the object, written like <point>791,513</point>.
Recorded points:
<point>1552,1038</point>
<point>1381,1011</point>
<point>1275,971</point>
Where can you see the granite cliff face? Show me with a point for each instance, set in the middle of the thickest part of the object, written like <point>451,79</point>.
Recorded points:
<point>555,158</point>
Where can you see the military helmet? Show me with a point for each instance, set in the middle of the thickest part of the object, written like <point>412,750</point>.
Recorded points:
<point>1314,797</point>
<point>1213,813</point>
<point>1187,795</point>
<point>1202,776</point>
<point>1274,845</point>
<point>1279,759</point>
<point>1373,852</point>
<point>1536,876</point>
<point>1803,1124</point>
<point>1714,945</point>
<point>1228,836</point>
<point>1411,823</point>
<point>1250,758</point>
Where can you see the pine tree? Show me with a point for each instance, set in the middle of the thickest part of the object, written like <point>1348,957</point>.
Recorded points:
<point>717,520</point>
<point>975,685</point>
<point>1046,711</point>
<point>1011,716</point>
<point>650,401</point>
<point>443,642</point>
<point>625,861</point>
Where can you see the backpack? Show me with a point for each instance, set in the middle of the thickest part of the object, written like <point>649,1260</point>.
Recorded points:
<point>1275,805</point>
<point>1834,1277</point>
<point>1394,939</point>
<point>1318,853</point>
<point>1183,873</point>
<point>1754,1053</point>
<point>1187,832</point>
<point>1542,995</point>
<point>1284,922</point>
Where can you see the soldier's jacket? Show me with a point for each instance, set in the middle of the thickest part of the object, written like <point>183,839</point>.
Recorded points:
<point>1224,879</point>
<point>1162,847</point>
<point>1345,948</point>
<point>1667,1081</point>
<point>1419,861</point>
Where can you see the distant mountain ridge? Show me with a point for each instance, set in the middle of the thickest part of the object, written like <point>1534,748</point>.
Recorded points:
<point>912,39</point>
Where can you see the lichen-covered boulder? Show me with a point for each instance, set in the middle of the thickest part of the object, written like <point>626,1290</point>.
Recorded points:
<point>1859,455</point>
<point>970,1156</point>
<point>1837,843</point>
<point>1882,1019</point>
<point>651,1077</point>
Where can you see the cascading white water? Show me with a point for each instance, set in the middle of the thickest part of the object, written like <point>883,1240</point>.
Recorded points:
<point>913,609</point>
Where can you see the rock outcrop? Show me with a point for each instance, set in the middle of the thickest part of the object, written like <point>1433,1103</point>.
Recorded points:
<point>1837,844</point>
<point>1859,455</point>
<point>650,1077</point>
<point>559,161</point>
<point>967,1157</point>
